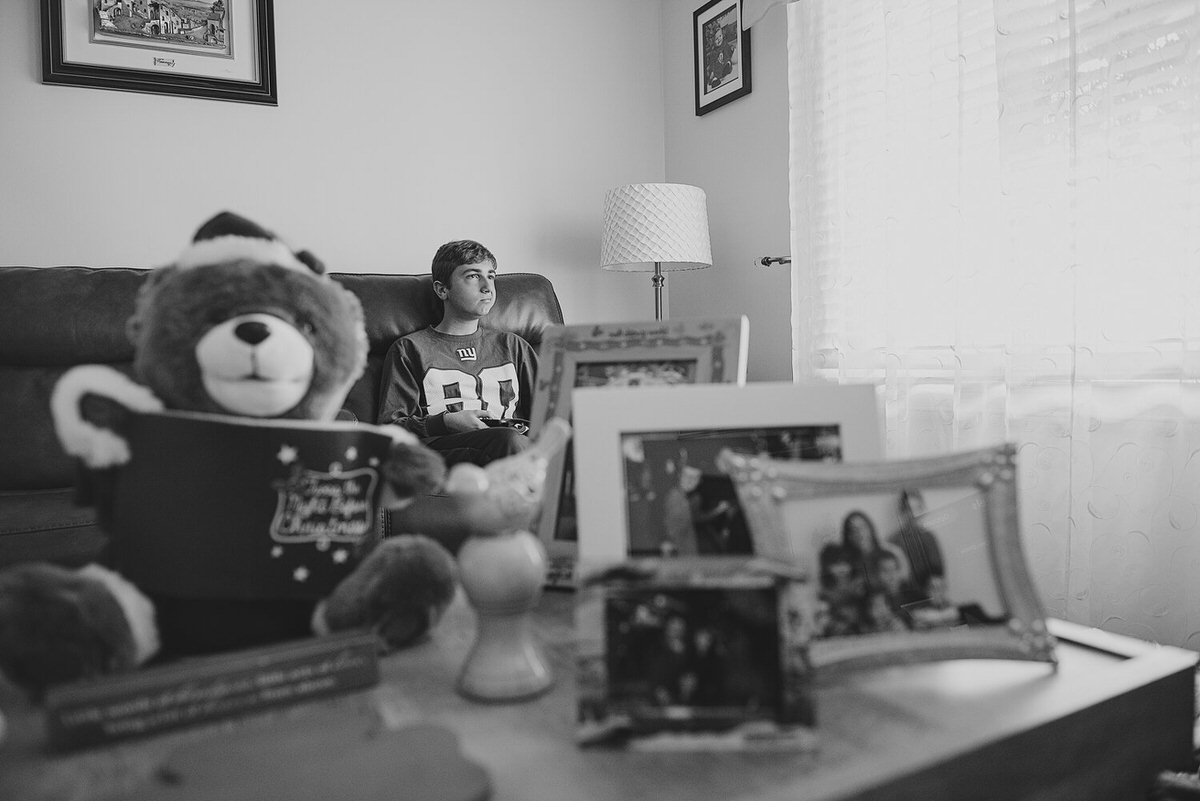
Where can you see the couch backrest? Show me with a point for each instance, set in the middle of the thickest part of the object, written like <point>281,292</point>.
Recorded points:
<point>53,318</point>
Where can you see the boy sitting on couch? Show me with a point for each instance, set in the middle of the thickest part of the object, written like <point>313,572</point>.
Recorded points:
<point>457,386</point>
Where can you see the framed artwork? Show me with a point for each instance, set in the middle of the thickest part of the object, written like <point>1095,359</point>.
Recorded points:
<point>910,560</point>
<point>215,49</point>
<point>721,54</point>
<point>672,653</point>
<point>647,477</point>
<point>661,353</point>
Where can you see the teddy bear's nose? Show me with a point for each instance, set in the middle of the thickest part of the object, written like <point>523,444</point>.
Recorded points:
<point>252,332</point>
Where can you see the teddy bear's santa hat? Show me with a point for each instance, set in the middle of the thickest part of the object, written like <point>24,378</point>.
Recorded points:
<point>231,237</point>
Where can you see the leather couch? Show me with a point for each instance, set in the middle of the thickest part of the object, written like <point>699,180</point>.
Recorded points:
<point>52,318</point>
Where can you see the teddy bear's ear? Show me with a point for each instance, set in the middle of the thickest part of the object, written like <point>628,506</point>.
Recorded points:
<point>312,262</point>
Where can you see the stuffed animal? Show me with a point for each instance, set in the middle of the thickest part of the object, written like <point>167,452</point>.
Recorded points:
<point>248,335</point>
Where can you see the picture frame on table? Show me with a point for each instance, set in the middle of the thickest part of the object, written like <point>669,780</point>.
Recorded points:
<point>721,55</point>
<point>221,50</point>
<point>684,653</point>
<point>647,477</point>
<point>638,354</point>
<point>912,560</point>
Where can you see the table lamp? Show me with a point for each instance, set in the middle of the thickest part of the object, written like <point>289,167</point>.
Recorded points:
<point>655,227</point>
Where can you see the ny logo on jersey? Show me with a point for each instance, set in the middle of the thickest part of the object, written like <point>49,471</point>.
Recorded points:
<point>467,354</point>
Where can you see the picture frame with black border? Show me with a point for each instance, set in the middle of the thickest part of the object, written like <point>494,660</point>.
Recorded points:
<point>692,653</point>
<point>721,55</point>
<point>617,430</point>
<point>944,577</point>
<point>225,51</point>
<point>637,354</point>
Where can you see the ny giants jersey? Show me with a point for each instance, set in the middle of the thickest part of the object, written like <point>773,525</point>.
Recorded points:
<point>428,374</point>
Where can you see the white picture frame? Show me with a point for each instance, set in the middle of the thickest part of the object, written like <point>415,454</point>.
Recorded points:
<point>608,420</point>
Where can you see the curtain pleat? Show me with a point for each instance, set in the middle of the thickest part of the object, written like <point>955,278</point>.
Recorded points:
<point>996,217</point>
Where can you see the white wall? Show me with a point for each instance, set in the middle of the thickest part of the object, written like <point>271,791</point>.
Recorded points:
<point>739,155</point>
<point>401,125</point>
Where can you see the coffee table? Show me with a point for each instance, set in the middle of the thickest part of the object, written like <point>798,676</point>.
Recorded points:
<point>1114,713</point>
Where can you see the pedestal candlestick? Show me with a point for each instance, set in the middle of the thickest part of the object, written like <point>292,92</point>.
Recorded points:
<point>502,576</point>
<point>502,567</point>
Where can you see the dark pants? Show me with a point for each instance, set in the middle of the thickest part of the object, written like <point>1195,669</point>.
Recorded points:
<point>479,447</point>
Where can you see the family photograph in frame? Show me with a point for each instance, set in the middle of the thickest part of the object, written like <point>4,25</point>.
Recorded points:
<point>214,49</point>
<point>679,503</point>
<point>911,560</point>
<point>721,52</point>
<point>668,650</point>
<point>635,355</point>
<point>646,459</point>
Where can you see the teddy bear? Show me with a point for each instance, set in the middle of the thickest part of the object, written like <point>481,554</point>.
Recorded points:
<point>241,339</point>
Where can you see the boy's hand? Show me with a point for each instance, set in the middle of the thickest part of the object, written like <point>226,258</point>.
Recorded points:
<point>465,420</point>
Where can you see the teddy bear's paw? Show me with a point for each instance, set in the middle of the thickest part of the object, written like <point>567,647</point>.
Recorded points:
<point>104,449</point>
<point>413,469</point>
<point>59,625</point>
<point>91,387</point>
<point>399,591</point>
<point>138,610</point>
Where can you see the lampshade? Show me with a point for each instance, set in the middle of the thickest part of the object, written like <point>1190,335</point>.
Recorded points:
<point>655,224</point>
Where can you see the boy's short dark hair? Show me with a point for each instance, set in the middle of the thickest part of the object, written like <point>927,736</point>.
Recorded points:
<point>453,254</point>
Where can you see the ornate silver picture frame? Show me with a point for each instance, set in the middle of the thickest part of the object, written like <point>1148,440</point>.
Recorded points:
<point>908,560</point>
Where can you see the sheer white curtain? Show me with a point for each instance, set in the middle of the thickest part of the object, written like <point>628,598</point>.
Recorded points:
<point>996,216</point>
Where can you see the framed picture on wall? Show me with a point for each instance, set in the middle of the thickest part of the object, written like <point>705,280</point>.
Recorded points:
<point>215,49</point>
<point>648,354</point>
<point>721,54</point>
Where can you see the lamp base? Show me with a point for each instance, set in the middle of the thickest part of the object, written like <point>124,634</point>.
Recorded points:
<point>659,281</point>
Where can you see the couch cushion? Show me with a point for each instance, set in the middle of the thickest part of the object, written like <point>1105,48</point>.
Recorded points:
<point>54,318</point>
<point>48,525</point>
<point>395,305</point>
<point>66,315</point>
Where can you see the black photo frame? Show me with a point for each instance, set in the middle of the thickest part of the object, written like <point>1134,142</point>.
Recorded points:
<point>721,55</point>
<point>738,672</point>
<point>225,53</point>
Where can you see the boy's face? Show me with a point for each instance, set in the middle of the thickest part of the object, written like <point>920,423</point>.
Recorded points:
<point>472,289</point>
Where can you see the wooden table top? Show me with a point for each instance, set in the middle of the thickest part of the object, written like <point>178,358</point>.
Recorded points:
<point>1101,725</point>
